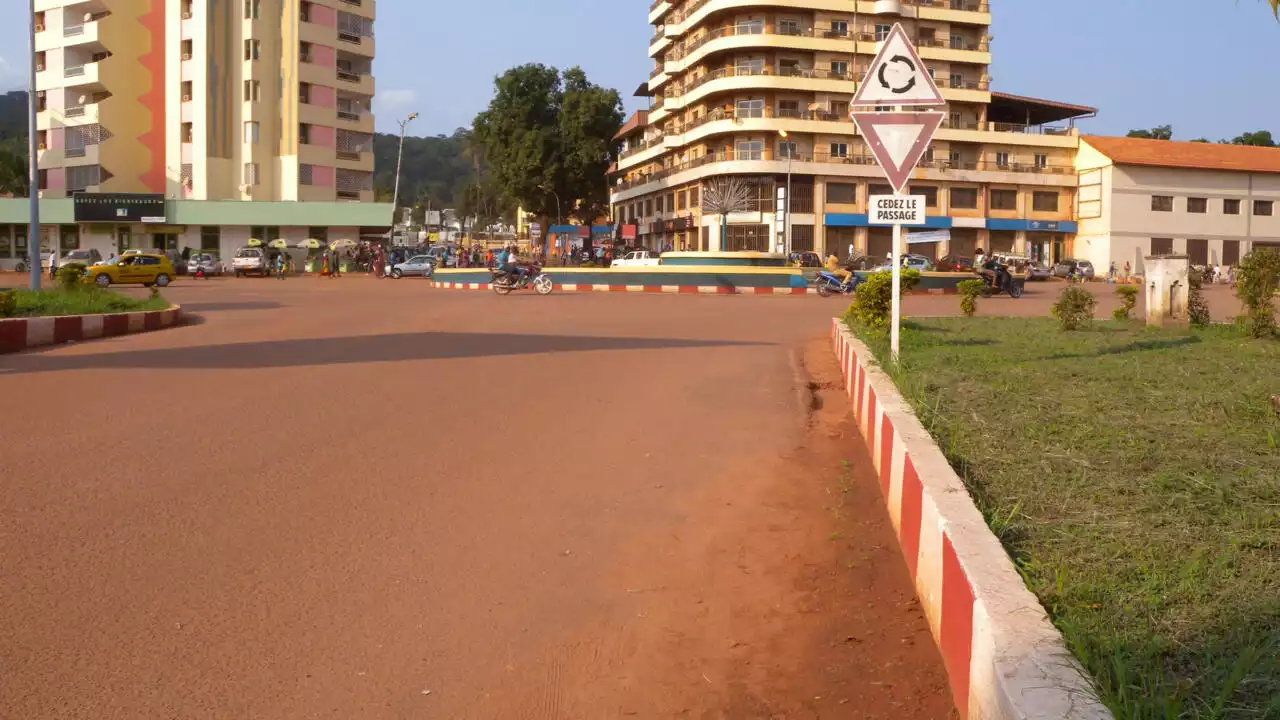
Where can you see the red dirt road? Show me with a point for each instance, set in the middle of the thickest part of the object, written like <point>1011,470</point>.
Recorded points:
<point>358,499</point>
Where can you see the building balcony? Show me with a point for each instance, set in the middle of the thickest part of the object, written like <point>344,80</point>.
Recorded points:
<point>363,8</point>
<point>360,161</point>
<point>354,80</point>
<point>658,9</point>
<point>84,33</point>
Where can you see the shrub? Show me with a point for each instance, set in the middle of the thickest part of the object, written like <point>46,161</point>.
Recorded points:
<point>8,301</point>
<point>970,291</point>
<point>69,275</point>
<point>1257,280</point>
<point>1128,301</point>
<point>873,304</point>
<point>1197,308</point>
<point>1074,308</point>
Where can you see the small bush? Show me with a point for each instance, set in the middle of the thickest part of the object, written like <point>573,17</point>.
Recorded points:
<point>970,291</point>
<point>1128,301</point>
<point>69,275</point>
<point>1257,280</point>
<point>1197,307</point>
<point>873,304</point>
<point>155,293</point>
<point>1075,307</point>
<point>8,302</point>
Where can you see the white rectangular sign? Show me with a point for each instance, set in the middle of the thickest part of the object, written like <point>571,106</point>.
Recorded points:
<point>896,210</point>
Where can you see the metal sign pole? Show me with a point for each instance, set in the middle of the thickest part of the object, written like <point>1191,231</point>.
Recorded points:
<point>895,332</point>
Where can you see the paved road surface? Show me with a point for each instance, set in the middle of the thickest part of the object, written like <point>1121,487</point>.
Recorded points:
<point>359,499</point>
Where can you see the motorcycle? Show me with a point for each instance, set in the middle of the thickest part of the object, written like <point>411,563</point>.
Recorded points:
<point>1005,282</point>
<point>504,282</point>
<point>828,284</point>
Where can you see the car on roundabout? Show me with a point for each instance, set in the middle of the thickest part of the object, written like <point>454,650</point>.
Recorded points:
<point>140,268</point>
<point>416,266</point>
<point>204,264</point>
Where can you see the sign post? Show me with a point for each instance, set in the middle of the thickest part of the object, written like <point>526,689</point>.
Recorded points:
<point>898,140</point>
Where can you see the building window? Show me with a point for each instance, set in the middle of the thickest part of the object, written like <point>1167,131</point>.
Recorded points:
<point>304,133</point>
<point>682,201</point>
<point>839,68</point>
<point>964,198</point>
<point>882,32</point>
<point>306,174</point>
<point>40,61</point>
<point>251,8</point>
<point>875,189</point>
<point>789,27</point>
<point>928,156</point>
<point>839,150</point>
<point>1002,159</point>
<point>304,52</point>
<point>186,9</point>
<point>839,28</point>
<point>187,131</point>
<point>801,237</point>
<point>956,80</point>
<point>1161,246</point>
<point>750,150</point>
<point>304,11</point>
<point>304,93</point>
<point>1004,199</point>
<point>787,149</point>
<point>1198,206</point>
<point>252,48</point>
<point>210,238</point>
<point>1161,203</point>
<point>750,109</point>
<point>1044,202</point>
<point>693,197</point>
<point>252,90</point>
<point>1198,251</point>
<point>1230,253</point>
<point>930,194</point>
<point>251,174</point>
<point>1263,208</point>
<point>188,50</point>
<point>1230,207</point>
<point>747,238</point>
<point>186,91</point>
<point>843,193</point>
<point>1042,161</point>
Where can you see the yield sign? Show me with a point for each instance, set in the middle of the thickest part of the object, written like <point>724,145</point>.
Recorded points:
<point>898,140</point>
<point>897,76</point>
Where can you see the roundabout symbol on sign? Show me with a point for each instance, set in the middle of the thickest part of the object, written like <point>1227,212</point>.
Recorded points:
<point>898,73</point>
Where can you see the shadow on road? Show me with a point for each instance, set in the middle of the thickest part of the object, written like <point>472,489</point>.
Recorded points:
<point>343,351</point>
<point>197,307</point>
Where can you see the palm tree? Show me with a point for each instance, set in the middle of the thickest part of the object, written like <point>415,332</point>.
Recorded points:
<point>727,195</point>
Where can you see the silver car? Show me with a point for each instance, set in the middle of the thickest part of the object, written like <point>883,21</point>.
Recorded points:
<point>416,266</point>
<point>204,262</point>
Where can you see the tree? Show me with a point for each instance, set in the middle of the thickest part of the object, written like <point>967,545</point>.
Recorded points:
<point>1260,138</point>
<point>1200,140</point>
<point>725,196</point>
<point>547,141</point>
<point>13,171</point>
<point>1160,132</point>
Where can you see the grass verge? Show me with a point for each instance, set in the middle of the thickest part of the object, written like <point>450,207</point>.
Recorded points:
<point>79,301</point>
<point>1134,477</point>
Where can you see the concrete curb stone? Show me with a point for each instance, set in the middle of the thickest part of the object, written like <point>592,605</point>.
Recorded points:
<point>18,334</point>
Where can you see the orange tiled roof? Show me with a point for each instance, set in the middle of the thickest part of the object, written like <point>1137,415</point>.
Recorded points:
<point>1199,156</point>
<point>638,121</point>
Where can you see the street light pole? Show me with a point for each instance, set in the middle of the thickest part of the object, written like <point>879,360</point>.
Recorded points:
<point>787,229</point>
<point>395,194</point>
<point>33,186</point>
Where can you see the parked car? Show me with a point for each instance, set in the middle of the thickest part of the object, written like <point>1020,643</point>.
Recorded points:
<point>1082,268</point>
<point>204,262</point>
<point>416,266</point>
<point>250,261</point>
<point>1038,271</point>
<point>806,259</point>
<point>955,263</point>
<point>84,256</point>
<point>134,269</point>
<point>911,262</point>
<point>862,262</point>
<point>637,258</point>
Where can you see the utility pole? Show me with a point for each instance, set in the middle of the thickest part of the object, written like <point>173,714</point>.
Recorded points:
<point>33,188</point>
<point>395,194</point>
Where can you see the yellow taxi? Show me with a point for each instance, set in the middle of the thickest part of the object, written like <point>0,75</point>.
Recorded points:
<point>135,269</point>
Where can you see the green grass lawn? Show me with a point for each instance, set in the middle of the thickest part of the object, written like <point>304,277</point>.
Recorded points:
<point>1134,476</point>
<point>80,301</point>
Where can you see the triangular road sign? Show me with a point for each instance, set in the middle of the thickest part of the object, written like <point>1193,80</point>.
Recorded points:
<point>897,76</point>
<point>898,140</point>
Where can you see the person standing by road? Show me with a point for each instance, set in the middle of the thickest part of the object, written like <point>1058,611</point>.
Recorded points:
<point>281,265</point>
<point>53,265</point>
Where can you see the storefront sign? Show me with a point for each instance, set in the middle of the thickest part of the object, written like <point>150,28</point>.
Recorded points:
<point>1045,225</point>
<point>628,232</point>
<point>118,207</point>
<point>928,236</point>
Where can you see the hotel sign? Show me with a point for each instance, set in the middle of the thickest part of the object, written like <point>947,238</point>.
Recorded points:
<point>118,207</point>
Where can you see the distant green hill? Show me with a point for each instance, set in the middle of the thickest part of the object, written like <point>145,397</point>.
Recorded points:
<point>13,118</point>
<point>436,168</point>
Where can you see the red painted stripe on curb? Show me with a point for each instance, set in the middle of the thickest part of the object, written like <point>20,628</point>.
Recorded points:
<point>957,625</point>
<point>13,335</point>
<point>799,291</point>
<point>912,506</point>
<point>66,329</point>
<point>871,418</point>
<point>151,321</point>
<point>858,380</point>
<point>886,455</point>
<point>687,289</point>
<point>113,325</point>
<point>722,290</point>
<point>617,288</point>
<point>653,288</point>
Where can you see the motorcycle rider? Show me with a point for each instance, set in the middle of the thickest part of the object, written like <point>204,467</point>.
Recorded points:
<point>834,267</point>
<point>985,266</point>
<point>514,267</point>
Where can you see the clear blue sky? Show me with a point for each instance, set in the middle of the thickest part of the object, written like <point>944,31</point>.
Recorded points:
<point>1207,67</point>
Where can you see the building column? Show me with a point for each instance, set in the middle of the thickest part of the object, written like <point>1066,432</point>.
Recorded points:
<point>1020,246</point>
<point>862,238</point>
<point>713,234</point>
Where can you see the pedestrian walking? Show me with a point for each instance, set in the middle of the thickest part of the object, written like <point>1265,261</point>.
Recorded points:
<point>281,265</point>
<point>53,265</point>
<point>1127,272</point>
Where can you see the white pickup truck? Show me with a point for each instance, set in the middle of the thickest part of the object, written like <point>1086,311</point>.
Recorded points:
<point>250,261</point>
<point>638,258</point>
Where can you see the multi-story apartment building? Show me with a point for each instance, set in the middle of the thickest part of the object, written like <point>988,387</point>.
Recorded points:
<point>761,90</point>
<point>256,100</point>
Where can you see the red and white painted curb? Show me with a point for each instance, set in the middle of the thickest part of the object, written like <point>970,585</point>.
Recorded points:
<point>23,333</point>
<point>673,289</point>
<point>1004,658</point>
